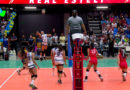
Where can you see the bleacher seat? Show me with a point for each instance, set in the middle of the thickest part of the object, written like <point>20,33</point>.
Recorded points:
<point>115,31</point>
<point>103,21</point>
<point>128,20</point>
<point>128,36</point>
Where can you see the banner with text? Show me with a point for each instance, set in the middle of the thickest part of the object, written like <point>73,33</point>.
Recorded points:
<point>62,1</point>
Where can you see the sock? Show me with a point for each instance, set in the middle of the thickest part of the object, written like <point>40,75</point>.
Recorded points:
<point>87,71</point>
<point>98,73</point>
<point>32,82</point>
<point>124,74</point>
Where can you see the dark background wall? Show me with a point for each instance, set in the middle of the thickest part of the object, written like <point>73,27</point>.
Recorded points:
<point>30,23</point>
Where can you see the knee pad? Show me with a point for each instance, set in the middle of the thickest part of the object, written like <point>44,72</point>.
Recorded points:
<point>34,76</point>
<point>87,70</point>
<point>60,72</point>
<point>125,72</point>
<point>95,70</point>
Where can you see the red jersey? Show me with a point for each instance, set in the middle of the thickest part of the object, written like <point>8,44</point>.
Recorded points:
<point>93,56</point>
<point>123,63</point>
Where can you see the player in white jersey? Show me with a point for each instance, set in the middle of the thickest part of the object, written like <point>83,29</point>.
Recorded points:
<point>31,63</point>
<point>59,60</point>
<point>52,57</point>
<point>44,44</point>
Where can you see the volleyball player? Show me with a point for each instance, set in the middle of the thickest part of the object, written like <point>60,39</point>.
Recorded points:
<point>92,53</point>
<point>59,60</point>
<point>32,67</point>
<point>39,46</point>
<point>122,63</point>
<point>22,54</point>
<point>52,57</point>
<point>44,44</point>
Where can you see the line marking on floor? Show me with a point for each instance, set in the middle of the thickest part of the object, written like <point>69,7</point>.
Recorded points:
<point>8,78</point>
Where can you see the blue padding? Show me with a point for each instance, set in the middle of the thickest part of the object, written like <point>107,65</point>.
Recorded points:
<point>128,20</point>
<point>69,52</point>
<point>127,31</point>
<point>128,36</point>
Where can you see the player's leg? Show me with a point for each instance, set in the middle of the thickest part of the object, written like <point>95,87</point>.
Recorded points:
<point>87,71</point>
<point>64,73</point>
<point>98,73</point>
<point>21,69</point>
<point>60,71</point>
<point>124,73</point>
<point>45,50</point>
<point>33,77</point>
<point>53,70</point>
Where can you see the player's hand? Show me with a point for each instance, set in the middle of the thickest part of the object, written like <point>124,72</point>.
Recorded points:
<point>85,33</point>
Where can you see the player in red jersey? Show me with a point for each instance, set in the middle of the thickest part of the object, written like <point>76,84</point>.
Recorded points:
<point>92,53</point>
<point>122,63</point>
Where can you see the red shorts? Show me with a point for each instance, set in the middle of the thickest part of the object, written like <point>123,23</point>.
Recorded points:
<point>93,62</point>
<point>123,65</point>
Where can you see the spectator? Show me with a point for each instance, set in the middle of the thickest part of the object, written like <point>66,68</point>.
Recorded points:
<point>5,42</point>
<point>117,40</point>
<point>49,39</point>
<point>55,39</point>
<point>126,39</point>
<point>14,43</point>
<point>24,41</point>
<point>111,47</point>
<point>114,24</point>
<point>31,41</point>
<point>86,39</point>
<point>1,51</point>
<point>62,39</point>
<point>53,31</point>
<point>122,43</point>
<point>101,43</point>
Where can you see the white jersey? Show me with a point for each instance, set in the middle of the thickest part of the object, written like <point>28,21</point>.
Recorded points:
<point>44,39</point>
<point>54,50</point>
<point>30,62</point>
<point>58,57</point>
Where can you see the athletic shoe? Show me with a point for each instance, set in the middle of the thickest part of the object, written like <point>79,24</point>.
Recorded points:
<point>101,79</point>
<point>59,81</point>
<point>32,86</point>
<point>18,72</point>
<point>85,80</point>
<point>124,79</point>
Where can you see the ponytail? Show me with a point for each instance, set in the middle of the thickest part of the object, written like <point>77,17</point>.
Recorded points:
<point>92,46</point>
<point>123,54</point>
<point>60,48</point>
